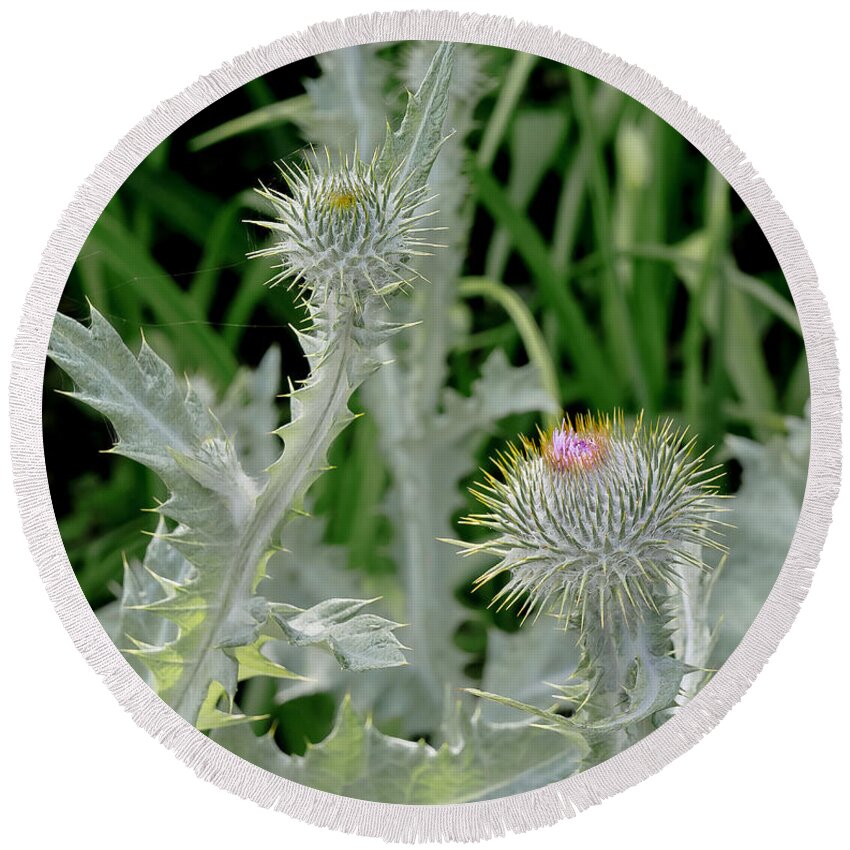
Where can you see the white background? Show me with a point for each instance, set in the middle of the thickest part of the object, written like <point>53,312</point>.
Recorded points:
<point>76,77</point>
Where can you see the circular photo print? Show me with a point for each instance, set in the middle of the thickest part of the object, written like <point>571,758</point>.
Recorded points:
<point>426,423</point>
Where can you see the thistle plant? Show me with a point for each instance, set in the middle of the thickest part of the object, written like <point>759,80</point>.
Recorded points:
<point>598,524</point>
<point>344,235</point>
<point>520,243</point>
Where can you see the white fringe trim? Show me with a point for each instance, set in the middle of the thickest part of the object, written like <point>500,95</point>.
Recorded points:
<point>469,821</point>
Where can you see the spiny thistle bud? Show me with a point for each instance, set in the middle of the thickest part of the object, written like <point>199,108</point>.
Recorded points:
<point>595,515</point>
<point>346,230</point>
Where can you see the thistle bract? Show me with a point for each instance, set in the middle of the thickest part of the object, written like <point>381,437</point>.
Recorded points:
<point>346,230</point>
<point>595,515</point>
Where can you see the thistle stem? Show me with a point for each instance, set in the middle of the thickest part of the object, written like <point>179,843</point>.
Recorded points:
<point>324,414</point>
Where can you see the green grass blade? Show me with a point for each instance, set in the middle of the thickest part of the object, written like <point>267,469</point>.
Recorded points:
<point>798,389</point>
<point>154,287</point>
<point>532,338</point>
<point>716,214</point>
<point>600,384</point>
<point>357,494</point>
<point>509,95</point>
<point>536,137</point>
<point>654,286</point>
<point>185,208</point>
<point>250,293</point>
<point>619,331</point>
<point>768,297</point>
<point>745,359</point>
<point>92,279</point>
<point>286,111</point>
<point>674,255</point>
<point>218,248</point>
<point>607,105</point>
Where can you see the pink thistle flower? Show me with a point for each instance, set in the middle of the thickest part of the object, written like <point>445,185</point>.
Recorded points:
<point>568,449</point>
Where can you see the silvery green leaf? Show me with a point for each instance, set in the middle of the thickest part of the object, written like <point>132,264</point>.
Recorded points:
<point>125,617</point>
<point>303,574</point>
<point>249,412</point>
<point>219,519</point>
<point>145,583</point>
<point>536,135</point>
<point>430,457</point>
<point>450,214</point>
<point>524,664</point>
<point>109,617</point>
<point>478,761</point>
<point>359,641</point>
<point>309,568</point>
<point>764,514</point>
<point>164,426</point>
<point>415,145</point>
<point>501,390</point>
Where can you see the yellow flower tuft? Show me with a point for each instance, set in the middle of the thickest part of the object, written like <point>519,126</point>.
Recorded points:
<point>342,200</point>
